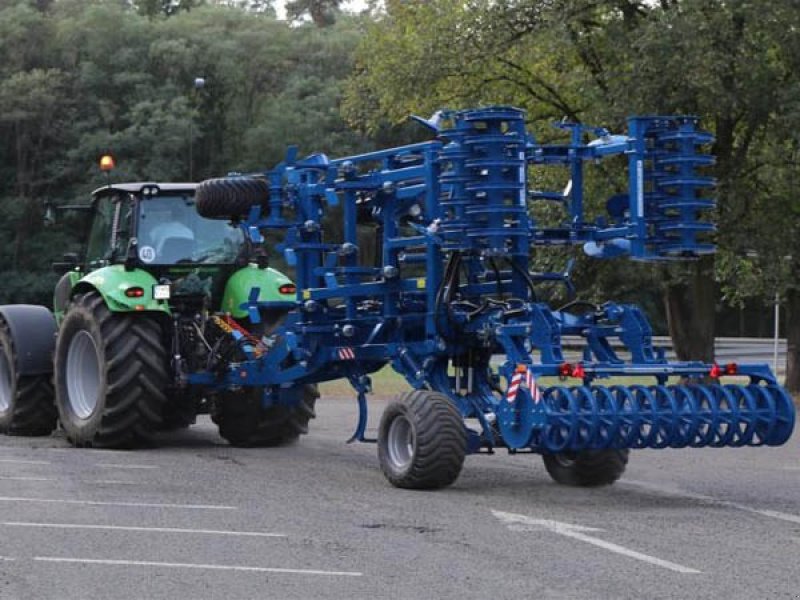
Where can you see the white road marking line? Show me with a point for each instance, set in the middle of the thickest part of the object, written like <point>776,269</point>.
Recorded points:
<point>7,558</point>
<point>114,481</point>
<point>25,462</point>
<point>714,501</point>
<point>142,529</point>
<point>147,563</point>
<point>517,522</point>
<point>122,466</point>
<point>106,503</point>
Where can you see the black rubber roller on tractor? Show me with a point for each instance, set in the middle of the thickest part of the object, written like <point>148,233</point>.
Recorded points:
<point>231,197</point>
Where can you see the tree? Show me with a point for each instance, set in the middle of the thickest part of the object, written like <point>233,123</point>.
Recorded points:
<point>597,61</point>
<point>322,12</point>
<point>66,97</point>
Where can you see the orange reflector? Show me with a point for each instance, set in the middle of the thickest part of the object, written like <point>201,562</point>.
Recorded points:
<point>521,368</point>
<point>107,162</point>
<point>139,307</point>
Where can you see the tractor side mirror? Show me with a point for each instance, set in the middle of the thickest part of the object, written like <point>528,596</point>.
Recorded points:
<point>69,261</point>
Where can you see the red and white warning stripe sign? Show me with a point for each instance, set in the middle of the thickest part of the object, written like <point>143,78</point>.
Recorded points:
<point>522,375</point>
<point>346,354</point>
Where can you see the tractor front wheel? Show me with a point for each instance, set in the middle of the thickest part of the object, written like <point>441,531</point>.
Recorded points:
<point>588,468</point>
<point>422,441</point>
<point>111,371</point>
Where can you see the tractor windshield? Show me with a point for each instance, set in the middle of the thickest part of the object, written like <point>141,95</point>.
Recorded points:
<point>170,232</point>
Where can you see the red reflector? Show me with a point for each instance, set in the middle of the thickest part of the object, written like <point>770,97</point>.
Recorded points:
<point>578,371</point>
<point>731,369</point>
<point>134,292</point>
<point>565,370</point>
<point>715,371</point>
<point>288,288</point>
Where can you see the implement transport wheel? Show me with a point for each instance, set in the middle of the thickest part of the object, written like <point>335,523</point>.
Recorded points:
<point>422,441</point>
<point>111,371</point>
<point>588,468</point>
<point>26,402</point>
<point>244,421</point>
<point>231,198</point>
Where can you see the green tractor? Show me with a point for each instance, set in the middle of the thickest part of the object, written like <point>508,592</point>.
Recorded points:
<point>141,308</point>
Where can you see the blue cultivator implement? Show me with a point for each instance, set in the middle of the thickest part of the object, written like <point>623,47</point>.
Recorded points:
<point>450,303</point>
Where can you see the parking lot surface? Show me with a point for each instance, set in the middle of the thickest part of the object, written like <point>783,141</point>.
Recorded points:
<point>196,518</point>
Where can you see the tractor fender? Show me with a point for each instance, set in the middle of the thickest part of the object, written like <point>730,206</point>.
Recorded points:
<point>33,331</point>
<point>112,281</point>
<point>268,281</point>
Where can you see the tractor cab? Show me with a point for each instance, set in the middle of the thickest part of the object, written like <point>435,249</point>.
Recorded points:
<point>154,227</point>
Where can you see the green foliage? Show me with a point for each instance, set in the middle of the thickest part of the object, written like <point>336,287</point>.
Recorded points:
<point>733,63</point>
<point>322,12</point>
<point>79,79</point>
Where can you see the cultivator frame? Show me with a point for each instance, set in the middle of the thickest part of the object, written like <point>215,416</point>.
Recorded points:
<point>451,289</point>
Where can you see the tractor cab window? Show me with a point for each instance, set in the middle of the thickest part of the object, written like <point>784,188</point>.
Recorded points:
<point>110,231</point>
<point>171,232</point>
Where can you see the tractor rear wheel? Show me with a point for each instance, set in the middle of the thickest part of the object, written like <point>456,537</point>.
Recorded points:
<point>244,421</point>
<point>26,402</point>
<point>111,372</point>
<point>230,198</point>
<point>588,468</point>
<point>422,441</point>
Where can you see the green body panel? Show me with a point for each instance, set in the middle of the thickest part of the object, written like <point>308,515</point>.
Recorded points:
<point>237,289</point>
<point>58,308</point>
<point>112,281</point>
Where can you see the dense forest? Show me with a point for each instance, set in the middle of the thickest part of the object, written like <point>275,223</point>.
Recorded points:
<point>79,78</point>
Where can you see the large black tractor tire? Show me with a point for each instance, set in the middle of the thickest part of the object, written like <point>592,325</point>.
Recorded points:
<point>245,422</point>
<point>111,373</point>
<point>231,198</point>
<point>422,441</point>
<point>26,401</point>
<point>588,468</point>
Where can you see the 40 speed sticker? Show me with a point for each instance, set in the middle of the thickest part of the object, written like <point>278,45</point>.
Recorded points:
<point>147,254</point>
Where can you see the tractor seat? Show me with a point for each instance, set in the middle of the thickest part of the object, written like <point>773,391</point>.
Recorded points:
<point>173,249</point>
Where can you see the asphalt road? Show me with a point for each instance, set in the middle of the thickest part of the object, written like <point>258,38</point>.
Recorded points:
<point>196,518</point>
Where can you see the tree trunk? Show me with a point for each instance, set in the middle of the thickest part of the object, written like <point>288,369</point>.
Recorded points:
<point>690,308</point>
<point>793,341</point>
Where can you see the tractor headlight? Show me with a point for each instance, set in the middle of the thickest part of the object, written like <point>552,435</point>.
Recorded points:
<point>161,291</point>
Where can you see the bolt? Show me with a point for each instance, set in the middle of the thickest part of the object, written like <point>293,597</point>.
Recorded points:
<point>348,330</point>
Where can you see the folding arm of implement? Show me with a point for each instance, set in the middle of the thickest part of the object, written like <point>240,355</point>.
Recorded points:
<point>450,291</point>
